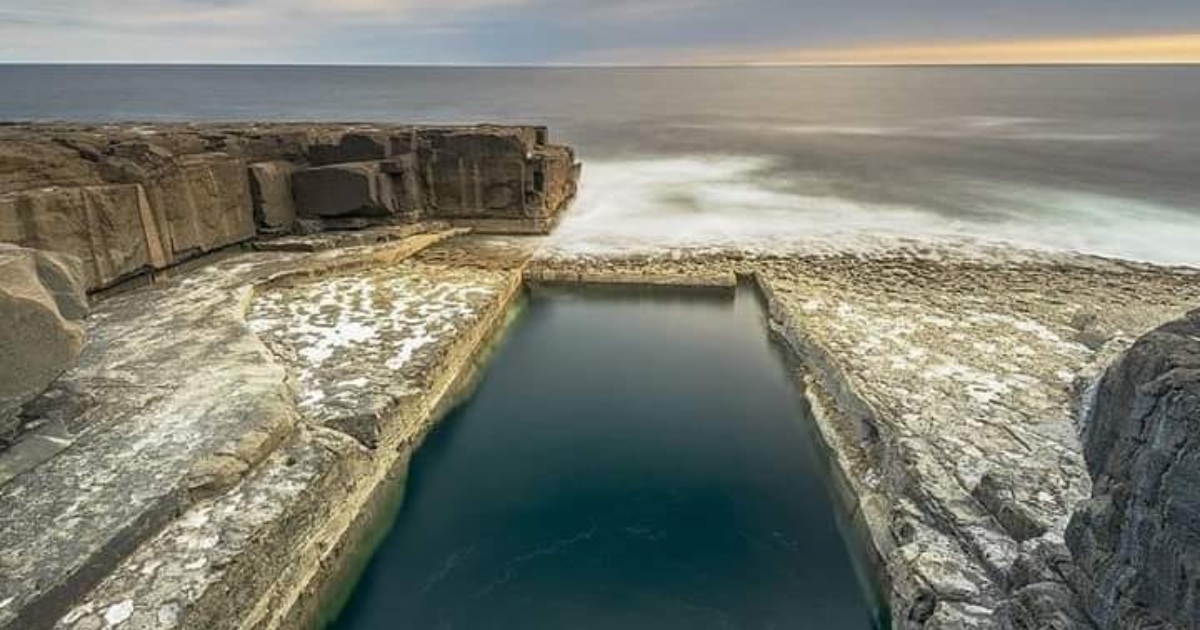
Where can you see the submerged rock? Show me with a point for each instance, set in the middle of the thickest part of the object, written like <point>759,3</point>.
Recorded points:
<point>41,303</point>
<point>1137,540</point>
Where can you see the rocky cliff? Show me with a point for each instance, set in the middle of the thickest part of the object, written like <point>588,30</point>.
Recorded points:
<point>130,199</point>
<point>1136,542</point>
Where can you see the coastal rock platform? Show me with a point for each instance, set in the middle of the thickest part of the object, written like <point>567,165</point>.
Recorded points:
<point>281,312</point>
<point>131,200</point>
<point>227,433</point>
<point>233,436</point>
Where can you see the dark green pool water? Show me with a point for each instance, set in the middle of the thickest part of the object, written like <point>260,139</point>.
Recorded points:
<point>630,461</point>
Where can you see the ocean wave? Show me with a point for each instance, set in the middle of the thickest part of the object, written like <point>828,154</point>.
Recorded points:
<point>743,202</point>
<point>1014,128</point>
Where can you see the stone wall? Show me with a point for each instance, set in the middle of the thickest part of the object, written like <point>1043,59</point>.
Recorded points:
<point>130,199</point>
<point>1136,542</point>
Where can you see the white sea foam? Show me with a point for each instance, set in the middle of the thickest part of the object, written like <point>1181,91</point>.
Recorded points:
<point>1014,128</point>
<point>717,202</point>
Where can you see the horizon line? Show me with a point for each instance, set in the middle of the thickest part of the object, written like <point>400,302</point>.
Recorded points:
<point>568,65</point>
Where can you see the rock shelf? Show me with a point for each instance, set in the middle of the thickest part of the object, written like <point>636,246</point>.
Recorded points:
<point>189,455</point>
<point>130,200</point>
<point>299,304</point>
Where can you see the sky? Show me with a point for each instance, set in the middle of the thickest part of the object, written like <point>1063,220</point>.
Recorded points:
<point>599,32</point>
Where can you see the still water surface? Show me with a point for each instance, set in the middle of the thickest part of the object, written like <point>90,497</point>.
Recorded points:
<point>632,461</point>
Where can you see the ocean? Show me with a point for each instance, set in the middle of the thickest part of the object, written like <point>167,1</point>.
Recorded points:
<point>1102,160</point>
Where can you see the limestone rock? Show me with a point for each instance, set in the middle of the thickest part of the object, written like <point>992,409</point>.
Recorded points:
<point>354,146</point>
<point>204,201</point>
<point>997,495</point>
<point>1137,540</point>
<point>131,199</point>
<point>1042,606</point>
<point>34,163</point>
<point>460,185</point>
<point>110,228</point>
<point>41,300</point>
<point>271,191</point>
<point>405,172</point>
<point>357,189</point>
<point>267,143</point>
<point>555,177</point>
<point>1040,592</point>
<point>496,173</point>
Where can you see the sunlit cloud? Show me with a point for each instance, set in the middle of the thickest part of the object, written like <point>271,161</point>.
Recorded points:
<point>1176,48</point>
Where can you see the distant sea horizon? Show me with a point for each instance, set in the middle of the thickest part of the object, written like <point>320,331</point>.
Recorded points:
<point>1092,158</point>
<point>614,65</point>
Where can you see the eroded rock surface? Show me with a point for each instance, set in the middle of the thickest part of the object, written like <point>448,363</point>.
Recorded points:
<point>1137,540</point>
<point>111,228</point>
<point>42,303</point>
<point>189,476</point>
<point>358,343</point>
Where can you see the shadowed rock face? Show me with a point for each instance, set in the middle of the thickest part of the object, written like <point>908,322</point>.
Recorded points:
<point>1137,540</point>
<point>355,189</point>
<point>41,303</point>
<point>271,188</point>
<point>132,199</point>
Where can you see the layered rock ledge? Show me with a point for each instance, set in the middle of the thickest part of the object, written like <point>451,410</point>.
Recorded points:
<point>130,200</point>
<point>230,435</point>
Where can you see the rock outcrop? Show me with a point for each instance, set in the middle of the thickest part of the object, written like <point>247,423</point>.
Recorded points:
<point>354,189</point>
<point>271,192</point>
<point>41,303</point>
<point>110,227</point>
<point>129,200</point>
<point>1136,542</point>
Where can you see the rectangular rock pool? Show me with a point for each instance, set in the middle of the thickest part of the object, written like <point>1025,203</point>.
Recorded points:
<point>632,459</point>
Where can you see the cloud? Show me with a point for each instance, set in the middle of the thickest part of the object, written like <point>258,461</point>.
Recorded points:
<point>591,31</point>
<point>225,30</point>
<point>630,10</point>
<point>1171,48</point>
